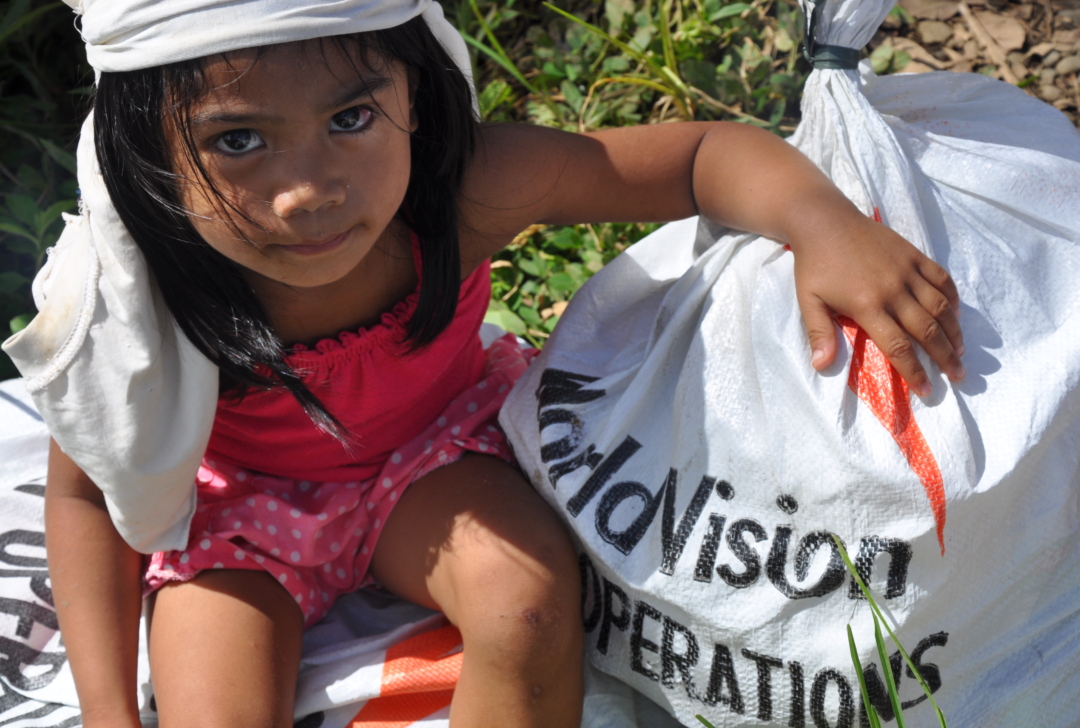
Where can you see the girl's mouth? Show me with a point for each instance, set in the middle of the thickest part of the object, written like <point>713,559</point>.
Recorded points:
<point>315,248</point>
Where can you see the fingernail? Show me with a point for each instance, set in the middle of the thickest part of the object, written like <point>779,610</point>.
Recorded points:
<point>924,390</point>
<point>818,355</point>
<point>960,350</point>
<point>959,374</point>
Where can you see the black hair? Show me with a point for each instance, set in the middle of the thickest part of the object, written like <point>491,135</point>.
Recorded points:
<point>205,291</point>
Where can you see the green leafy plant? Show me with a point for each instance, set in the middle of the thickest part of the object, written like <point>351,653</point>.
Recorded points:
<point>886,59</point>
<point>534,278</point>
<point>42,95</point>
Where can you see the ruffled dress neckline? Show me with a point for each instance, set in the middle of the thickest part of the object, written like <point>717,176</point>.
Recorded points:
<point>388,333</point>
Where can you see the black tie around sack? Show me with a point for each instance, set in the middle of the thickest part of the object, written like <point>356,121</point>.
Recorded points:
<point>821,55</point>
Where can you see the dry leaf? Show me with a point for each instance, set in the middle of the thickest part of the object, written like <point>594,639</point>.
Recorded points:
<point>916,67</point>
<point>558,307</point>
<point>960,35</point>
<point>917,53</point>
<point>1040,50</point>
<point>1008,32</point>
<point>931,9</point>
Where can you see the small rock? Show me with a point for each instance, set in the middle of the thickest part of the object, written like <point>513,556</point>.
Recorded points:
<point>1049,93</point>
<point>1016,58</point>
<point>1047,76</point>
<point>1070,64</point>
<point>1051,58</point>
<point>932,32</point>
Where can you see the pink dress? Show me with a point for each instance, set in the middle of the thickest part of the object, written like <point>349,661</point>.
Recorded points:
<point>276,493</point>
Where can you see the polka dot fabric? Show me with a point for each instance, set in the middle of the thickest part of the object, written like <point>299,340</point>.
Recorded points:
<point>317,538</point>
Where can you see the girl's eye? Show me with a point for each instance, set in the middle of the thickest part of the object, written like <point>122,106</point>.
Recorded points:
<point>239,141</point>
<point>352,119</point>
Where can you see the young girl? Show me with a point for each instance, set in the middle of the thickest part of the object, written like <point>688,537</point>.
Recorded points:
<point>317,206</point>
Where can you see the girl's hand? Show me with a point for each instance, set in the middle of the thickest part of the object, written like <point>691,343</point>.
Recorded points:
<point>849,265</point>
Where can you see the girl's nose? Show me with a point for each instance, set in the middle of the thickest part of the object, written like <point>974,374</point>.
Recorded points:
<point>308,196</point>
<point>310,187</point>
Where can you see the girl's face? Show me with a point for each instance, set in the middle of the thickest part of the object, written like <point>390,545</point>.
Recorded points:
<point>312,146</point>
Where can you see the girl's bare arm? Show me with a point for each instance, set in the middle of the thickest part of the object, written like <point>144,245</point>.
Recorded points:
<point>738,176</point>
<point>95,582</point>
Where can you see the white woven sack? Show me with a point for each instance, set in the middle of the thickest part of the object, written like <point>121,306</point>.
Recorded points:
<point>676,423</point>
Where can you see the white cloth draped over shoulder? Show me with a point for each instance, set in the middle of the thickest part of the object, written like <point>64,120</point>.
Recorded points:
<point>125,394</point>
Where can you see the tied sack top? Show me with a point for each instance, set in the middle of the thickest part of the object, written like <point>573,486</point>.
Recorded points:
<point>382,393</point>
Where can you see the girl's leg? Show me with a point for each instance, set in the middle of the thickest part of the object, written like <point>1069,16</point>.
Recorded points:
<point>474,540</point>
<point>225,651</point>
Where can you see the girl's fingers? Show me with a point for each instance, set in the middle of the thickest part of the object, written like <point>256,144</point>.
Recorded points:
<point>937,304</point>
<point>929,333</point>
<point>898,348</point>
<point>940,279</point>
<point>820,329</point>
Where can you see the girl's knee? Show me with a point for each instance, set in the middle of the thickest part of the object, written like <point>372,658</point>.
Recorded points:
<point>508,601</point>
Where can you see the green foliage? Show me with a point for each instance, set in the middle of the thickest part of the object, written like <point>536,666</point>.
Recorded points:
<point>41,71</point>
<point>886,59</point>
<point>534,278</point>
<point>579,66</point>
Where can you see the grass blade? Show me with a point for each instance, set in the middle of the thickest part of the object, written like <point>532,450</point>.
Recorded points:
<point>665,34</point>
<point>634,80</point>
<point>875,721</point>
<point>704,722</point>
<point>506,65</point>
<point>877,612</point>
<point>886,667</point>
<point>488,32</point>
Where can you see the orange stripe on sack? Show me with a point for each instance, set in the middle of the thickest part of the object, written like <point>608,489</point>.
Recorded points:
<point>418,680</point>
<point>880,386</point>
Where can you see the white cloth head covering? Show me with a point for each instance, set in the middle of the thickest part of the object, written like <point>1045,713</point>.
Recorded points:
<point>126,395</point>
